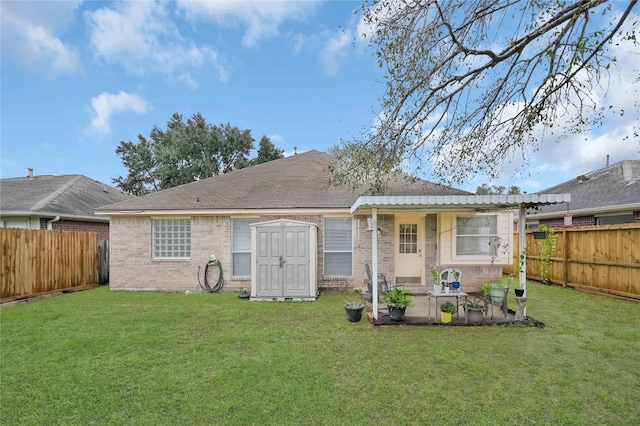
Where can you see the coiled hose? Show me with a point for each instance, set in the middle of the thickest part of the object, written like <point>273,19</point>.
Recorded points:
<point>207,287</point>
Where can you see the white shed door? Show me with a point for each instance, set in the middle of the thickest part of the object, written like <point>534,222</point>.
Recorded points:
<point>283,262</point>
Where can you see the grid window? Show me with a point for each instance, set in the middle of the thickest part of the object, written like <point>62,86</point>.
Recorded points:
<point>408,238</point>
<point>171,238</point>
<point>338,247</point>
<point>241,247</point>
<point>473,235</point>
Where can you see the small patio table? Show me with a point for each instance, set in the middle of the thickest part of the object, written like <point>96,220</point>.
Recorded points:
<point>457,295</point>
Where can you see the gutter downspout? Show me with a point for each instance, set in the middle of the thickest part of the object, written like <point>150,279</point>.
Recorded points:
<point>50,222</point>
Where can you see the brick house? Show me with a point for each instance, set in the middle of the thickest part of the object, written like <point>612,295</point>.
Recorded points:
<point>607,196</point>
<point>283,230</point>
<point>63,203</point>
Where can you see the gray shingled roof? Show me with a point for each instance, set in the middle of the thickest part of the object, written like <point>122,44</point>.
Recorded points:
<point>68,196</point>
<point>611,186</point>
<point>298,181</point>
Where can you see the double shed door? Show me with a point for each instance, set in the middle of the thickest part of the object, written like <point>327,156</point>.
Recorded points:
<point>283,261</point>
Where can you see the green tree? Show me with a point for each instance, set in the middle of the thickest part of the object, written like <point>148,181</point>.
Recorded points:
<point>267,151</point>
<point>484,189</point>
<point>468,82</point>
<point>184,152</point>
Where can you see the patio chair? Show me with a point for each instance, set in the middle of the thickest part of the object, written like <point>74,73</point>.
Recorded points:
<point>501,300</point>
<point>383,284</point>
<point>447,276</point>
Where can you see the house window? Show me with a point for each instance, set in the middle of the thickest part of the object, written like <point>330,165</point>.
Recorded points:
<point>171,238</point>
<point>474,233</point>
<point>241,247</point>
<point>338,244</point>
<point>408,238</point>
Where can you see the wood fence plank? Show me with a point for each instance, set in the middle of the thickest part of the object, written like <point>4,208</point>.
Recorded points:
<point>41,261</point>
<point>601,258</point>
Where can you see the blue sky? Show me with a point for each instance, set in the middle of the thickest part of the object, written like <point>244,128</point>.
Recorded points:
<point>79,77</point>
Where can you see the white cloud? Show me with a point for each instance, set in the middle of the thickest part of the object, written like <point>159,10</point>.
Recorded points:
<point>262,18</point>
<point>141,37</point>
<point>29,34</point>
<point>334,51</point>
<point>107,104</point>
<point>276,138</point>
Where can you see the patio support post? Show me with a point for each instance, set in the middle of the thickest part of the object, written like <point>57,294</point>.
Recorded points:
<point>522,237</point>
<point>374,260</point>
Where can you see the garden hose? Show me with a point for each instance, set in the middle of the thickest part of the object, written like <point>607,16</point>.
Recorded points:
<point>207,287</point>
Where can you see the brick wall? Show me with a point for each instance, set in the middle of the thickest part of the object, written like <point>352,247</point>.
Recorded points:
<point>100,228</point>
<point>362,250</point>
<point>132,267</point>
<point>576,221</point>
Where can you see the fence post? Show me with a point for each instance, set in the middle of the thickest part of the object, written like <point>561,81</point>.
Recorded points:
<point>103,262</point>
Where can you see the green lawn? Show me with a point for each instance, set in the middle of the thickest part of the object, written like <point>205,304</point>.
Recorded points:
<point>102,357</point>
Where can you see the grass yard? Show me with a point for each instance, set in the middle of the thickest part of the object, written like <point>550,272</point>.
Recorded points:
<point>99,357</point>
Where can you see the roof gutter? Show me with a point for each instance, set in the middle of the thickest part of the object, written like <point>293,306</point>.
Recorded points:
<point>622,208</point>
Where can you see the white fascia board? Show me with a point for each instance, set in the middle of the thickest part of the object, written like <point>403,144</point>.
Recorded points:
<point>622,208</point>
<point>235,212</point>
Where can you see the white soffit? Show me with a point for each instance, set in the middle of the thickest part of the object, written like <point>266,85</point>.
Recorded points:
<point>458,201</point>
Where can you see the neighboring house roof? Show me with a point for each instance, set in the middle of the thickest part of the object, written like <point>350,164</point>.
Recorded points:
<point>73,197</point>
<point>297,182</point>
<point>610,189</point>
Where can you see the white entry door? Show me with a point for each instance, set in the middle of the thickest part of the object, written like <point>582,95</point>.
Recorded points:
<point>409,244</point>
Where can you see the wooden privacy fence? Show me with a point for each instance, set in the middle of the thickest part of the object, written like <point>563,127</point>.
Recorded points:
<point>596,258</point>
<point>40,261</point>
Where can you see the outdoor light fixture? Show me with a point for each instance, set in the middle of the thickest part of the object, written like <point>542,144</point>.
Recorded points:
<point>369,225</point>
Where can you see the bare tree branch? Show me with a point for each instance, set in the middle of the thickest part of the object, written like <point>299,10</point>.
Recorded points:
<point>468,82</point>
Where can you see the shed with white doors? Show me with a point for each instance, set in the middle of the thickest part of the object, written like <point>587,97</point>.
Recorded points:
<point>283,260</point>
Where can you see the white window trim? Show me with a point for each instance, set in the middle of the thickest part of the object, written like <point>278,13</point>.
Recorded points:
<point>233,252</point>
<point>324,250</point>
<point>153,243</point>
<point>481,257</point>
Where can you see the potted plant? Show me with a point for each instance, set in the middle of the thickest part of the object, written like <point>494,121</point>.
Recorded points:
<point>398,300</point>
<point>354,310</point>
<point>244,294</point>
<point>447,309</point>
<point>539,235</point>
<point>437,286</point>
<point>516,274</point>
<point>474,310</point>
<point>456,280</point>
<point>495,290</point>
